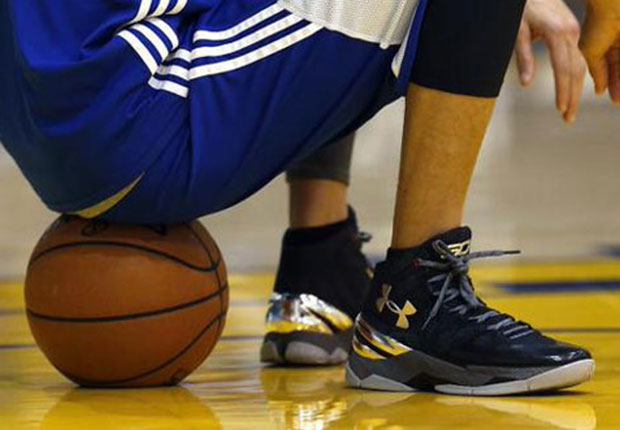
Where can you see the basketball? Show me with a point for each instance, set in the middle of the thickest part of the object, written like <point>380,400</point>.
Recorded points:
<point>114,305</point>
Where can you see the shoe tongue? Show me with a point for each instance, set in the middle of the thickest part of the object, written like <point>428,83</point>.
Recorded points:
<point>458,241</point>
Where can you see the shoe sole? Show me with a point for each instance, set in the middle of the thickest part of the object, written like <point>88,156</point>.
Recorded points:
<point>430,373</point>
<point>305,348</point>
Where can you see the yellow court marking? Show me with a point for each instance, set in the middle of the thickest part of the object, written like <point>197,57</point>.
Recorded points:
<point>11,297</point>
<point>599,269</point>
<point>232,390</point>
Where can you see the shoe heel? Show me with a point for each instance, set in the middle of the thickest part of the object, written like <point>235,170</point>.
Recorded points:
<point>351,379</point>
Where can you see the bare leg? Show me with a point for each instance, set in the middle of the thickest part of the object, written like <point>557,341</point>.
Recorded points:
<point>442,139</point>
<point>319,185</point>
<point>457,76</point>
<point>317,202</point>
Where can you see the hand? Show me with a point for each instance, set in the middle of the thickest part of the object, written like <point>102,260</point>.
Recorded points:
<point>601,46</point>
<point>554,23</point>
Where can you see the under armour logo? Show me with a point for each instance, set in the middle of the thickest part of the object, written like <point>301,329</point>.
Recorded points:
<point>407,310</point>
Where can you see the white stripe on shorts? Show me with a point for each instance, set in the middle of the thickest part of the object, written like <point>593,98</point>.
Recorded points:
<point>254,20</point>
<point>140,49</point>
<point>169,86</point>
<point>227,66</point>
<point>191,73</point>
<point>178,8</point>
<point>167,30</point>
<point>160,46</point>
<point>197,72</point>
<point>181,54</point>
<point>238,45</point>
<point>173,70</point>
<point>143,11</point>
<point>254,56</point>
<point>161,9</point>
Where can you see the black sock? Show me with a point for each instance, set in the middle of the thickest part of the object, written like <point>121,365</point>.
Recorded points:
<point>309,235</point>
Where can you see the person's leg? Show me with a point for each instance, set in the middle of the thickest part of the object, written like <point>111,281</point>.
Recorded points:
<point>442,138</point>
<point>317,202</point>
<point>318,186</point>
<point>422,326</point>
<point>322,277</point>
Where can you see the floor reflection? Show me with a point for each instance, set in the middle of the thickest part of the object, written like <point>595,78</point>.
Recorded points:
<point>310,399</point>
<point>169,408</point>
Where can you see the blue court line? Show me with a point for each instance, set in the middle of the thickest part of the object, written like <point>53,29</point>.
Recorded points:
<point>611,251</point>
<point>559,287</point>
<point>17,346</point>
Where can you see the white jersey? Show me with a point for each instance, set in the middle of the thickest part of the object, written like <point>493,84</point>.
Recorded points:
<point>379,21</point>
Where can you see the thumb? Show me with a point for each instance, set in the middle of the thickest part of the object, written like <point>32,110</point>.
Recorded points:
<point>598,37</point>
<point>525,56</point>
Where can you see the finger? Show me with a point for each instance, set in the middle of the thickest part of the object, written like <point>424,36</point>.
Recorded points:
<point>598,36</point>
<point>560,60</point>
<point>600,74</point>
<point>613,68</point>
<point>525,56</point>
<point>577,82</point>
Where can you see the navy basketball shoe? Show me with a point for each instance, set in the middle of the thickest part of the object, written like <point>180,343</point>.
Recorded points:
<point>424,328</point>
<point>322,281</point>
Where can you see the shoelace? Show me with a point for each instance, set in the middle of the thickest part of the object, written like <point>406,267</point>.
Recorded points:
<point>456,283</point>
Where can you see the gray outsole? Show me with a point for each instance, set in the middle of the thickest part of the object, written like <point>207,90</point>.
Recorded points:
<point>306,348</point>
<point>394,375</point>
<point>374,382</point>
<point>302,353</point>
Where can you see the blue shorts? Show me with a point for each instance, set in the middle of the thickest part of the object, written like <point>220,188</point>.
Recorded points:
<point>205,100</point>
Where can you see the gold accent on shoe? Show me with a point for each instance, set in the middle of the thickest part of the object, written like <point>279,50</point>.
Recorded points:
<point>382,342</point>
<point>364,351</point>
<point>285,327</point>
<point>407,310</point>
<point>304,312</point>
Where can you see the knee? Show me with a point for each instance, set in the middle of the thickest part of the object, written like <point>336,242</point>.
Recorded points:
<point>465,46</point>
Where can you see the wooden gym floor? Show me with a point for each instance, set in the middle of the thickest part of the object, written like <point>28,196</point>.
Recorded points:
<point>578,301</point>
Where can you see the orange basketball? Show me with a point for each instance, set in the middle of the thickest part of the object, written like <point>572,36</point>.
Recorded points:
<point>114,305</point>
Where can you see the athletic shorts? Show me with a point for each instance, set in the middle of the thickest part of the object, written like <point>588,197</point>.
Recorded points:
<point>205,101</point>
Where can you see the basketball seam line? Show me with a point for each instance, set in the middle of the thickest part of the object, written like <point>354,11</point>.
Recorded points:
<point>209,268</point>
<point>124,317</point>
<point>217,274</point>
<point>199,240</point>
<point>232,338</point>
<point>148,373</point>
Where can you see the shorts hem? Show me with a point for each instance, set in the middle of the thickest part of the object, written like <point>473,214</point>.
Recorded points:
<point>107,192</point>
